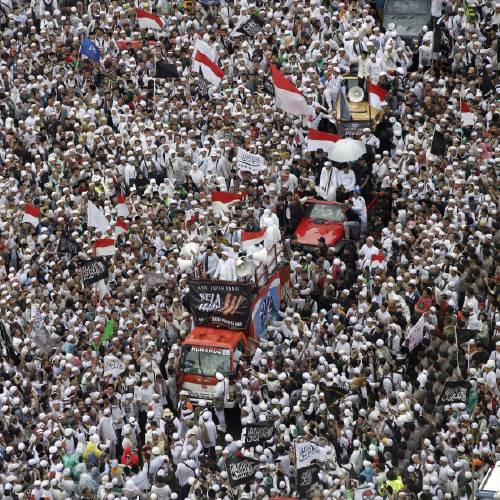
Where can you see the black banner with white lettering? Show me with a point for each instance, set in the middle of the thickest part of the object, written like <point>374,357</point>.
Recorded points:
<point>241,470</point>
<point>93,270</point>
<point>67,245</point>
<point>334,392</point>
<point>307,477</point>
<point>454,392</point>
<point>258,433</point>
<point>220,303</point>
<point>268,86</point>
<point>251,27</point>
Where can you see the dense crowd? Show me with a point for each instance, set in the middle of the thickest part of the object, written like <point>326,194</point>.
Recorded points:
<point>75,131</point>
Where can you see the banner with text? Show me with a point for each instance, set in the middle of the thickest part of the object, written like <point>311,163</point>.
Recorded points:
<point>221,303</point>
<point>241,470</point>
<point>258,433</point>
<point>248,162</point>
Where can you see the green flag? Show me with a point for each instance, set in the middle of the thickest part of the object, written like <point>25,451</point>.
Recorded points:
<point>470,12</point>
<point>106,334</point>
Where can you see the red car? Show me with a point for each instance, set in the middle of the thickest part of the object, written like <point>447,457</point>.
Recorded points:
<point>321,219</point>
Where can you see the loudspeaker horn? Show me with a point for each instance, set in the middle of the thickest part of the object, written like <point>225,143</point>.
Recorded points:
<point>356,94</point>
<point>260,256</point>
<point>190,250</point>
<point>245,269</point>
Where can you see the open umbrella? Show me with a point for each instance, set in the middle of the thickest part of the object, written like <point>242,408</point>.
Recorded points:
<point>347,150</point>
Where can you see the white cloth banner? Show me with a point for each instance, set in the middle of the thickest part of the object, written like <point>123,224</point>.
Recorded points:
<point>248,162</point>
<point>415,334</point>
<point>113,366</point>
<point>305,453</point>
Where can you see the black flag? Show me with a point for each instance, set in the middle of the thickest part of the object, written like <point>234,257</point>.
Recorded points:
<point>202,87</point>
<point>438,147</point>
<point>454,392</point>
<point>268,86</point>
<point>306,477</point>
<point>93,270</point>
<point>166,70</point>
<point>251,27</point>
<point>258,433</point>
<point>333,393</point>
<point>66,244</point>
<point>241,470</point>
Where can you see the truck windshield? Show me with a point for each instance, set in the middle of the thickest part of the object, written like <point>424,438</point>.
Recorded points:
<point>321,212</point>
<point>206,361</point>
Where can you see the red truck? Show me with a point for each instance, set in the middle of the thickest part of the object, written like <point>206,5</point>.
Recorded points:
<point>210,349</point>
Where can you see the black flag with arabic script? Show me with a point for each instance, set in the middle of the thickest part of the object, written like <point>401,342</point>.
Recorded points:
<point>241,470</point>
<point>454,392</point>
<point>251,27</point>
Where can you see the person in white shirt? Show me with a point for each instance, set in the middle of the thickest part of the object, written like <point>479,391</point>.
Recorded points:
<point>359,206</point>
<point>346,179</point>
<point>226,268</point>
<point>328,182</point>
<point>221,393</point>
<point>367,251</point>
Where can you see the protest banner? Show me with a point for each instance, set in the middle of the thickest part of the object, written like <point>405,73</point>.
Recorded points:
<point>258,433</point>
<point>454,392</point>
<point>306,452</point>
<point>248,162</point>
<point>93,270</point>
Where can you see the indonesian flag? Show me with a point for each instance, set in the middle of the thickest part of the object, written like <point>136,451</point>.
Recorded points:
<point>104,247</point>
<point>226,197</point>
<point>120,227</point>
<point>31,215</point>
<point>204,63</point>
<point>467,116</point>
<point>121,206</point>
<point>378,257</point>
<point>321,140</point>
<point>251,238</point>
<point>148,20</point>
<point>288,96</point>
<point>377,95</point>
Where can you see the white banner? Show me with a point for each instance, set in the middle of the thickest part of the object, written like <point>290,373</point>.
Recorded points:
<point>415,334</point>
<point>305,453</point>
<point>113,366</point>
<point>248,162</point>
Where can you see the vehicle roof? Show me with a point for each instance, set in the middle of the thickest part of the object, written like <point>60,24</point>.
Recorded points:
<point>214,337</point>
<point>324,202</point>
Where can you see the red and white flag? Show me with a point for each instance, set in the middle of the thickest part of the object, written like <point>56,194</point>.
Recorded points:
<point>226,197</point>
<point>120,227</point>
<point>121,206</point>
<point>321,140</point>
<point>104,247</point>
<point>466,115</point>
<point>148,20</point>
<point>376,96</point>
<point>288,96</point>
<point>251,238</point>
<point>204,63</point>
<point>31,215</point>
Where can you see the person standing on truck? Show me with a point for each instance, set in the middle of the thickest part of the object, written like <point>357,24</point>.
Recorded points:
<point>209,261</point>
<point>226,268</point>
<point>221,393</point>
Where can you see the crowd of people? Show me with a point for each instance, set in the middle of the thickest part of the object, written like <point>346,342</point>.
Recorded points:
<point>76,132</point>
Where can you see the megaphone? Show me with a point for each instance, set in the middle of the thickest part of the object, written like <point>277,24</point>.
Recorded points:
<point>190,250</point>
<point>245,269</point>
<point>356,94</point>
<point>260,256</point>
<point>184,264</point>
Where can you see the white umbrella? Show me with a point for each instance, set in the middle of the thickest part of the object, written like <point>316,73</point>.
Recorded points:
<point>347,150</point>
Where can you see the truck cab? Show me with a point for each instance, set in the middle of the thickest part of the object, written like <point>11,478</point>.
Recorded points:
<point>205,352</point>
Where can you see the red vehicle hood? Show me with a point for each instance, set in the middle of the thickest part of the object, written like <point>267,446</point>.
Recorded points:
<point>309,232</point>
